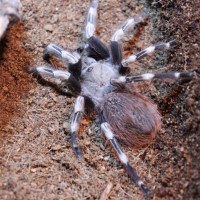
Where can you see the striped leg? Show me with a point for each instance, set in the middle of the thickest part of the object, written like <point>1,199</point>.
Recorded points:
<point>123,158</point>
<point>53,49</point>
<point>91,19</point>
<point>130,23</point>
<point>149,50</point>
<point>76,118</point>
<point>118,35</point>
<point>63,75</point>
<point>71,81</point>
<point>96,48</point>
<point>150,76</point>
<point>73,58</point>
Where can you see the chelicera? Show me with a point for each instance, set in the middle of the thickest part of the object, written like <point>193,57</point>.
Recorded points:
<point>95,77</point>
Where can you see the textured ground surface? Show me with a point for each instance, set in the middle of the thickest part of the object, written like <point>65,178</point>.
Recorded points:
<point>36,161</point>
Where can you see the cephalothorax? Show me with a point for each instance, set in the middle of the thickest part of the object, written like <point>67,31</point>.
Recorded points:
<point>9,9</point>
<point>95,77</point>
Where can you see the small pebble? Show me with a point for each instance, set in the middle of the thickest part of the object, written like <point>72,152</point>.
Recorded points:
<point>48,27</point>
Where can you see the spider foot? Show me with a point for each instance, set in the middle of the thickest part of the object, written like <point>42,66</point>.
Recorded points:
<point>148,192</point>
<point>75,146</point>
<point>76,118</point>
<point>77,152</point>
<point>137,180</point>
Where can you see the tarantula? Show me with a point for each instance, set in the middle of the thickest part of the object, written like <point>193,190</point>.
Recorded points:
<point>94,77</point>
<point>9,10</point>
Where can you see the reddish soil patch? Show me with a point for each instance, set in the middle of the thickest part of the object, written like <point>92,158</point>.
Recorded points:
<point>14,81</point>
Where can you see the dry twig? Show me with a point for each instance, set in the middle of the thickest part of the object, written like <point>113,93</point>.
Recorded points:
<point>107,191</point>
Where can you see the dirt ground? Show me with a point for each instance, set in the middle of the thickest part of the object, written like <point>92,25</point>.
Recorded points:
<point>36,160</point>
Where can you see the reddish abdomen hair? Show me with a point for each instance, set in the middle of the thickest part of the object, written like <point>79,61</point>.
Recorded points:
<point>133,117</point>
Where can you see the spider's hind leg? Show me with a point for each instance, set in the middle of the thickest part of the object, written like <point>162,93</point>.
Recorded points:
<point>107,130</point>
<point>149,76</point>
<point>96,48</point>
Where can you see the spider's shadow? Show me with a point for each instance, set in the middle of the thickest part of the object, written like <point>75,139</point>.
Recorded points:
<point>2,47</point>
<point>135,35</point>
<point>47,83</point>
<point>172,93</point>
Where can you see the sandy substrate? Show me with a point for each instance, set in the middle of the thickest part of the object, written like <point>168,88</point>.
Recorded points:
<point>36,160</point>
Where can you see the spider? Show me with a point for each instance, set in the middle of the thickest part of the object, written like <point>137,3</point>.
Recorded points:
<point>9,10</point>
<point>96,77</point>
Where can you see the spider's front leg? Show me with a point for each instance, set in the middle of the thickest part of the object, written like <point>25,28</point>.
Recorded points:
<point>157,47</point>
<point>53,49</point>
<point>118,35</point>
<point>107,130</point>
<point>67,78</point>
<point>96,48</point>
<point>76,118</point>
<point>73,58</point>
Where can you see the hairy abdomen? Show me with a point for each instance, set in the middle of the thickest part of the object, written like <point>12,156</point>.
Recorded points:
<point>133,118</point>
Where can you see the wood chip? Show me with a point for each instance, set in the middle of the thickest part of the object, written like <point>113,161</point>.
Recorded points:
<point>106,192</point>
<point>57,147</point>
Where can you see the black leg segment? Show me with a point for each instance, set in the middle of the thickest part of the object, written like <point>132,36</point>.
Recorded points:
<point>97,49</point>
